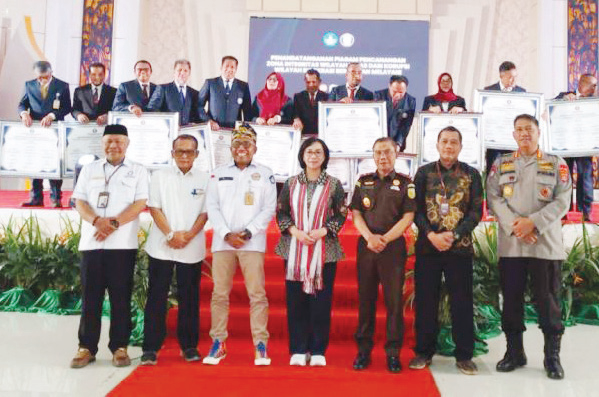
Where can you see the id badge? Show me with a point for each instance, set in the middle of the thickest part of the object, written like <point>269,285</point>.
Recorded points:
<point>56,104</point>
<point>249,198</point>
<point>444,207</point>
<point>103,199</point>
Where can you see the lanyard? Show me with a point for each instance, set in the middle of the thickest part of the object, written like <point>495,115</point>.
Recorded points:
<point>107,180</point>
<point>441,179</point>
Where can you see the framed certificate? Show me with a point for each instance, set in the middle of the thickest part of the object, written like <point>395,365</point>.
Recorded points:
<point>572,127</point>
<point>499,109</point>
<point>34,152</point>
<point>79,140</point>
<point>469,125</point>
<point>350,129</point>
<point>150,135</point>
<point>203,134</point>
<point>406,163</point>
<point>277,148</point>
<point>221,147</point>
<point>341,168</point>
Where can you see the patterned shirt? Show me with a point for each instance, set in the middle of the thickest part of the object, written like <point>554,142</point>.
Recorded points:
<point>461,187</point>
<point>335,216</point>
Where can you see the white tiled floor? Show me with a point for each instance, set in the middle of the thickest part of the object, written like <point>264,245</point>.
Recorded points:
<point>35,350</point>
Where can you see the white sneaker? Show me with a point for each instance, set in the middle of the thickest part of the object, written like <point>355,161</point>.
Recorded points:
<point>261,357</point>
<point>318,361</point>
<point>298,359</point>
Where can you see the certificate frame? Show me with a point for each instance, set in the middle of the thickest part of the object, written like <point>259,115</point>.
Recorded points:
<point>52,132</point>
<point>483,98</point>
<point>266,132</point>
<point>472,142</point>
<point>590,106</point>
<point>403,161</point>
<point>328,133</point>
<point>203,133</point>
<point>135,152</point>
<point>70,128</point>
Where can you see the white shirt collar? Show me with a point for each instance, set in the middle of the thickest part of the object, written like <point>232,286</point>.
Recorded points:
<point>504,88</point>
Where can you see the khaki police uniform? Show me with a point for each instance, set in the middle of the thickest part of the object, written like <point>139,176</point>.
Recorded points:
<point>539,188</point>
<point>382,203</point>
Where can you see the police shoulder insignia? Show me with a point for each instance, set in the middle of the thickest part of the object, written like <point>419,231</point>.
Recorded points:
<point>358,184</point>
<point>411,191</point>
<point>368,183</point>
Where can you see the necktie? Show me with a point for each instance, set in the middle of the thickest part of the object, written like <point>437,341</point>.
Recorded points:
<point>395,103</point>
<point>145,91</point>
<point>227,87</point>
<point>182,95</point>
<point>96,96</point>
<point>352,92</point>
<point>44,91</point>
<point>312,99</point>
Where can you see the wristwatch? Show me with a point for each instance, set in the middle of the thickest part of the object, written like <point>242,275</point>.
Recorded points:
<point>114,223</point>
<point>170,235</point>
<point>245,234</point>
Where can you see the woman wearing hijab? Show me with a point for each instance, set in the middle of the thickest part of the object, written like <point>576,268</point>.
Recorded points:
<point>271,106</point>
<point>444,100</point>
<point>310,214</point>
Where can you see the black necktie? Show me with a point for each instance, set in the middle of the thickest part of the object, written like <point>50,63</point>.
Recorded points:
<point>182,96</point>
<point>96,96</point>
<point>145,91</point>
<point>227,87</point>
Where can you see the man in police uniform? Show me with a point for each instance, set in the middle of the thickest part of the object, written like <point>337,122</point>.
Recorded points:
<point>449,196</point>
<point>529,191</point>
<point>383,208</point>
<point>241,202</point>
<point>176,240</point>
<point>110,194</point>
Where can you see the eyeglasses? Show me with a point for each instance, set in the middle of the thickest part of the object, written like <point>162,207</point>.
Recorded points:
<point>238,144</point>
<point>181,153</point>
<point>316,153</point>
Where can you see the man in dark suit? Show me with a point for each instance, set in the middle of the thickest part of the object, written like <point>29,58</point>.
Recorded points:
<point>351,91</point>
<point>134,95</point>
<point>305,104</point>
<point>506,83</point>
<point>401,107</point>
<point>587,86</point>
<point>228,98</point>
<point>46,99</point>
<point>93,101</point>
<point>177,96</point>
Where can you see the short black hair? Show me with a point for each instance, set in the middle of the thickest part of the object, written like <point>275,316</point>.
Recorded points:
<point>384,139</point>
<point>227,57</point>
<point>185,137</point>
<point>182,61</point>
<point>399,79</point>
<point>450,128</point>
<point>527,117</point>
<point>42,66</point>
<point>314,72</point>
<point>97,65</point>
<point>142,61</point>
<point>506,66</point>
<point>305,145</point>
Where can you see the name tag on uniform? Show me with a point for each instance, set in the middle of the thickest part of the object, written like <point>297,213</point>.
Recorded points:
<point>249,198</point>
<point>103,199</point>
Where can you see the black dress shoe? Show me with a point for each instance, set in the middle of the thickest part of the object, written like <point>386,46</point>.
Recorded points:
<point>393,364</point>
<point>56,204</point>
<point>33,203</point>
<point>362,361</point>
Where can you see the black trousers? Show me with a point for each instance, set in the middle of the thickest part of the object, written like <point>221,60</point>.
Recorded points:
<point>37,189</point>
<point>385,268</point>
<point>584,182</point>
<point>101,270</point>
<point>188,297</point>
<point>545,276</point>
<point>309,316</point>
<point>457,271</point>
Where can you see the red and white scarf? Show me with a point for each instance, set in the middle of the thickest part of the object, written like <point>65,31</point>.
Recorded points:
<point>305,261</point>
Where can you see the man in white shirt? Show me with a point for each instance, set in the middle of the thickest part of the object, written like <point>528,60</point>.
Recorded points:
<point>241,202</point>
<point>177,204</point>
<point>110,194</point>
